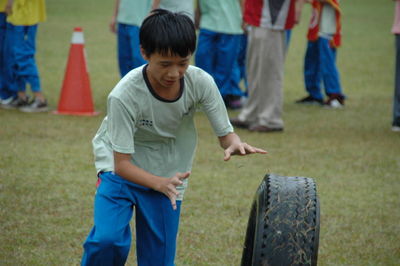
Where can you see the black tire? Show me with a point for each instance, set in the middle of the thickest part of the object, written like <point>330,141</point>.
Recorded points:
<point>283,226</point>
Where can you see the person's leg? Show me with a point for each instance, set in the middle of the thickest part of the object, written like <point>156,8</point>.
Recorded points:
<point>226,56</point>
<point>242,61</point>
<point>156,229</point>
<point>270,110</point>
<point>14,42</point>
<point>206,51</point>
<point>134,46</point>
<point>32,73</point>
<point>312,74</point>
<point>396,99</point>
<point>110,238</point>
<point>27,71</point>
<point>265,59</point>
<point>329,70</point>
<point>6,95</point>
<point>255,44</point>
<point>125,56</point>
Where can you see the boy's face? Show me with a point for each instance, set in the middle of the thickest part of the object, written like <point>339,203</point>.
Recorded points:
<point>165,71</point>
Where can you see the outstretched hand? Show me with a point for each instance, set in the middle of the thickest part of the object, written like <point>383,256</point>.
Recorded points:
<point>241,148</point>
<point>168,186</point>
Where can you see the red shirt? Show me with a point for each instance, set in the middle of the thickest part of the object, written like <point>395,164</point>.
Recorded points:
<point>277,14</point>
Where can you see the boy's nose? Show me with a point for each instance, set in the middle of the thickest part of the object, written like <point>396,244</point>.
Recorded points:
<point>173,73</point>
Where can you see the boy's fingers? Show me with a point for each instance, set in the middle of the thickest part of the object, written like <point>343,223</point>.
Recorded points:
<point>261,151</point>
<point>242,150</point>
<point>182,176</point>
<point>227,155</point>
<point>173,202</point>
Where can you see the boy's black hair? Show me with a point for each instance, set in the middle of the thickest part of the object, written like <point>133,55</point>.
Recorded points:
<point>168,33</point>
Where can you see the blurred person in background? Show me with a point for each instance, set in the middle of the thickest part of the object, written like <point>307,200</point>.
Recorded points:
<point>220,23</point>
<point>23,18</point>
<point>324,37</point>
<point>267,23</point>
<point>126,20</point>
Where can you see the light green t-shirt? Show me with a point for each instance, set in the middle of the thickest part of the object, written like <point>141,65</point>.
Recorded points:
<point>160,134</point>
<point>184,6</point>
<point>133,12</point>
<point>223,16</point>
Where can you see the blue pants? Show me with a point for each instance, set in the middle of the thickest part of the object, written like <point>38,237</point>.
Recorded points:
<point>21,63</point>
<point>320,65</point>
<point>129,56</point>
<point>110,238</point>
<point>217,54</point>
<point>239,71</point>
<point>5,92</point>
<point>396,99</point>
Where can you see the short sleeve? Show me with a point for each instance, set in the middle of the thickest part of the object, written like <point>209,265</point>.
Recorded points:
<point>214,107</point>
<point>121,126</point>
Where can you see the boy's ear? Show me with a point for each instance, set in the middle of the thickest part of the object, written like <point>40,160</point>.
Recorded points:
<point>142,51</point>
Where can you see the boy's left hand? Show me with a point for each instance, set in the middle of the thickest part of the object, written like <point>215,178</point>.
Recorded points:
<point>241,148</point>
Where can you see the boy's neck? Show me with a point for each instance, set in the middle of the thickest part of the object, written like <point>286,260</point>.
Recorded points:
<point>167,93</point>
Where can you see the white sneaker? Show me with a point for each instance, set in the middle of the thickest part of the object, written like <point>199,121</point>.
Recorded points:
<point>335,104</point>
<point>6,101</point>
<point>395,128</point>
<point>35,107</point>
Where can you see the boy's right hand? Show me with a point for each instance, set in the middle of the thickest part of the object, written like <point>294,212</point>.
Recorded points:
<point>168,186</point>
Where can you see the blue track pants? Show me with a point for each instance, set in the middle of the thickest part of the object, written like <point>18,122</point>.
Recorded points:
<point>21,64</point>
<point>320,65</point>
<point>5,92</point>
<point>129,56</point>
<point>217,54</point>
<point>109,241</point>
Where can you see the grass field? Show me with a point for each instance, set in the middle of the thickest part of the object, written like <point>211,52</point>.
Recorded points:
<point>47,177</point>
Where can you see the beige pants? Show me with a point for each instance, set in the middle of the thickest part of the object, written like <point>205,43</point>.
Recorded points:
<point>265,58</point>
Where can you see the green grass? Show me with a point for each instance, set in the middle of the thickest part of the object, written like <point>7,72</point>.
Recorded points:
<point>47,177</point>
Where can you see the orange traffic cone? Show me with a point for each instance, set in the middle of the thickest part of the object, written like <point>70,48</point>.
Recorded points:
<point>76,94</point>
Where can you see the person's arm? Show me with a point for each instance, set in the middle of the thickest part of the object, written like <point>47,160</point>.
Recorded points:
<point>124,168</point>
<point>232,145</point>
<point>156,4</point>
<point>113,21</point>
<point>9,6</point>
<point>197,15</point>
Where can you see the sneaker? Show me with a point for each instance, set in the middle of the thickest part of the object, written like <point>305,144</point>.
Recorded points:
<point>396,128</point>
<point>335,101</point>
<point>265,129</point>
<point>6,101</point>
<point>238,123</point>
<point>309,100</point>
<point>35,107</point>
<point>16,103</point>
<point>233,102</point>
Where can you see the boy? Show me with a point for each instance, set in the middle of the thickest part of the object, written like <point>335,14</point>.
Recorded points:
<point>145,146</point>
<point>324,37</point>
